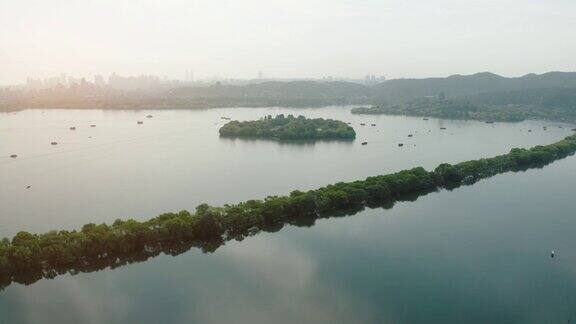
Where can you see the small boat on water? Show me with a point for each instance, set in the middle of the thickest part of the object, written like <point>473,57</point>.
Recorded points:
<point>14,156</point>
<point>149,116</point>
<point>552,253</point>
<point>92,125</point>
<point>410,135</point>
<point>442,127</point>
<point>139,122</point>
<point>400,144</point>
<point>424,118</point>
<point>529,131</point>
<point>364,143</point>
<point>72,128</point>
<point>362,124</point>
<point>53,143</point>
<point>373,124</point>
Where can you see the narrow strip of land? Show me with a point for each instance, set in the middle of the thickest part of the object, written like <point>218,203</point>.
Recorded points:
<point>29,257</point>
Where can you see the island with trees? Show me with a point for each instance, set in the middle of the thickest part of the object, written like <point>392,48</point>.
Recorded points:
<point>29,257</point>
<point>289,128</point>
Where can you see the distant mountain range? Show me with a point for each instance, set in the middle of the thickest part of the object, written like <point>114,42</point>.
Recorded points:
<point>460,85</point>
<point>548,95</point>
<point>452,86</point>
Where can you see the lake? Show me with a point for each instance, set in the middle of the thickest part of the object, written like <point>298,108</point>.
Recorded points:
<point>477,254</point>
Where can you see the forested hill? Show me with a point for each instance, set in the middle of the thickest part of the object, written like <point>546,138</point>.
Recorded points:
<point>461,85</point>
<point>560,98</point>
<point>452,86</point>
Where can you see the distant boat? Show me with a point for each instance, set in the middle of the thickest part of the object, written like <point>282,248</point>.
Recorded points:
<point>28,186</point>
<point>140,122</point>
<point>373,124</point>
<point>400,144</point>
<point>14,156</point>
<point>442,127</point>
<point>149,116</point>
<point>225,118</point>
<point>552,253</point>
<point>364,143</point>
<point>410,135</point>
<point>72,128</point>
<point>529,131</point>
<point>424,118</point>
<point>92,125</point>
<point>53,143</point>
<point>489,122</point>
<point>362,124</point>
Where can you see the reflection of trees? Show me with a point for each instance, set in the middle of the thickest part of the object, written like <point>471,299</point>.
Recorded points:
<point>97,247</point>
<point>175,248</point>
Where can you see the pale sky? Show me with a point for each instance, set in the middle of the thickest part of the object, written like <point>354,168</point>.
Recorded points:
<point>285,38</point>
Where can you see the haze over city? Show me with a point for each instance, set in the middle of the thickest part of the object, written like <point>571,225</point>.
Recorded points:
<point>284,39</point>
<point>287,161</point>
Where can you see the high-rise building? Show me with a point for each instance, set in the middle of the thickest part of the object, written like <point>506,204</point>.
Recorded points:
<point>99,80</point>
<point>63,79</point>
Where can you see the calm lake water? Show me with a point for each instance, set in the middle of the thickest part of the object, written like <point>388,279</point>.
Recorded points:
<point>478,254</point>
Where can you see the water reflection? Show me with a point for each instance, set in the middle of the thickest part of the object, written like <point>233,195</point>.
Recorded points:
<point>478,254</point>
<point>175,248</point>
<point>309,143</point>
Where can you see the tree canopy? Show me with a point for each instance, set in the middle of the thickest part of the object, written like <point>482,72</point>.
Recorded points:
<point>289,128</point>
<point>447,109</point>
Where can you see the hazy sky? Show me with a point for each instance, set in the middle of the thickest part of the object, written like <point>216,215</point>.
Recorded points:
<point>285,38</point>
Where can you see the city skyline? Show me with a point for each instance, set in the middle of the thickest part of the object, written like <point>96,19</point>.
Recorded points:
<point>284,39</point>
<point>141,81</point>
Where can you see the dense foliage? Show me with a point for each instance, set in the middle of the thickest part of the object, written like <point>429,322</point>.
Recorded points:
<point>97,246</point>
<point>289,128</point>
<point>447,109</point>
<point>544,103</point>
<point>517,105</point>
